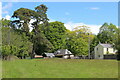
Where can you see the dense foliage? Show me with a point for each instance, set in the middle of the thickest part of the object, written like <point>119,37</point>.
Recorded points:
<point>107,33</point>
<point>78,40</point>
<point>18,40</point>
<point>56,34</point>
<point>15,42</point>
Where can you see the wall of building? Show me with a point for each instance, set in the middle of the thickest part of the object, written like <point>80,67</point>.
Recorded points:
<point>110,56</point>
<point>99,52</point>
<point>110,50</point>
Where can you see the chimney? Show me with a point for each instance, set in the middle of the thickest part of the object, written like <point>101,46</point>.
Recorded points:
<point>105,42</point>
<point>99,42</point>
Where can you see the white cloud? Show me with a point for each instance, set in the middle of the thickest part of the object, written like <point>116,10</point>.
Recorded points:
<point>7,17</point>
<point>5,12</point>
<point>32,20</point>
<point>94,8</point>
<point>71,25</point>
<point>94,28</point>
<point>9,5</point>
<point>6,7</point>
<point>30,25</point>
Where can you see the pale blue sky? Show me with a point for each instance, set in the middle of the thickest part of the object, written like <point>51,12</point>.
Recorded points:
<point>71,13</point>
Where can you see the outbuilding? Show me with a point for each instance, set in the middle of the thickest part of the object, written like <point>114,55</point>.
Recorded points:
<point>64,53</point>
<point>48,55</point>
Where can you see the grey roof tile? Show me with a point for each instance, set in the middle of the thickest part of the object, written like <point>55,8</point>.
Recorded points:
<point>106,45</point>
<point>49,54</point>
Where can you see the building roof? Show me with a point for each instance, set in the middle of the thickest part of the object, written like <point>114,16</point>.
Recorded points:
<point>107,45</point>
<point>62,52</point>
<point>49,54</point>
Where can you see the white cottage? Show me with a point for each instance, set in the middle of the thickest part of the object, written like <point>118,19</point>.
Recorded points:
<point>103,49</point>
<point>64,53</point>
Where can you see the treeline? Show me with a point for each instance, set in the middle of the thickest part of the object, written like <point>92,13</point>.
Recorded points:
<point>48,37</point>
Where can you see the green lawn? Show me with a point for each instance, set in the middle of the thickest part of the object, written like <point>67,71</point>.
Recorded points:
<point>60,68</point>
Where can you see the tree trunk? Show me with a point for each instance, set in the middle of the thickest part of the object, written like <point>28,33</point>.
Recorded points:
<point>24,57</point>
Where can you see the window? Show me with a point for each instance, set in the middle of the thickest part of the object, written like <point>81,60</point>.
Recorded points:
<point>97,49</point>
<point>98,55</point>
<point>107,49</point>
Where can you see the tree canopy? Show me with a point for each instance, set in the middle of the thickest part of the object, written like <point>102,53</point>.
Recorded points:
<point>107,33</point>
<point>56,34</point>
<point>78,40</point>
<point>15,43</point>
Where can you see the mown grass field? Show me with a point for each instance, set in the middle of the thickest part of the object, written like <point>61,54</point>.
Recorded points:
<point>60,68</point>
